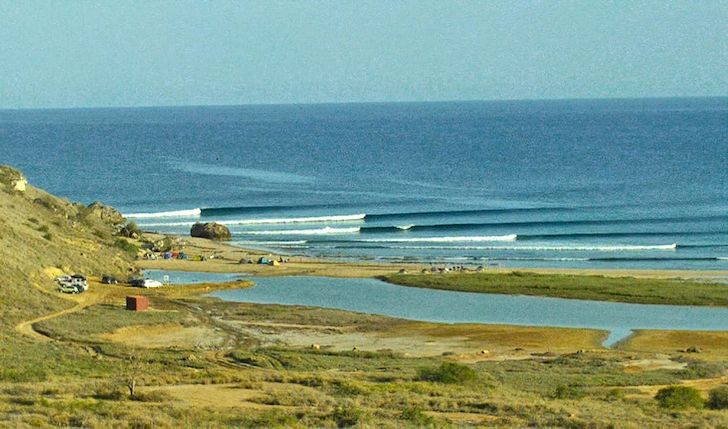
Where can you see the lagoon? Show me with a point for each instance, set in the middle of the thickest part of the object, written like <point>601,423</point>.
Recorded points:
<point>377,297</point>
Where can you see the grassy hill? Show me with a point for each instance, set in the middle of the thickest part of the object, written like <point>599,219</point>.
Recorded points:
<point>42,236</point>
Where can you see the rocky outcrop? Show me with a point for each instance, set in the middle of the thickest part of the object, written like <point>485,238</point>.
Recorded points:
<point>210,230</point>
<point>12,178</point>
<point>103,212</point>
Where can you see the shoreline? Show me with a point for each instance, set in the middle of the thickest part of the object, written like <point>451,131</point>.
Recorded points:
<point>227,256</point>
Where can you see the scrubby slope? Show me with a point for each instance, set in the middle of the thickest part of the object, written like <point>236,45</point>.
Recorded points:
<point>42,236</point>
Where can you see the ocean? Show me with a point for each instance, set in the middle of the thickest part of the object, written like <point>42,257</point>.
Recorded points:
<point>638,183</point>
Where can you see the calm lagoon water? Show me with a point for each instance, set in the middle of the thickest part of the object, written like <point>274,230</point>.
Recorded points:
<point>191,277</point>
<point>377,297</point>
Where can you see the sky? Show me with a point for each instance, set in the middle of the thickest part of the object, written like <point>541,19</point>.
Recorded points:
<point>139,53</point>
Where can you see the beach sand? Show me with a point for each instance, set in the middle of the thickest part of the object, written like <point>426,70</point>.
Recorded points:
<point>226,260</point>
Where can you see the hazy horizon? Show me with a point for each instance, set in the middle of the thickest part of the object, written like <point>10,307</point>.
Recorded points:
<point>164,54</point>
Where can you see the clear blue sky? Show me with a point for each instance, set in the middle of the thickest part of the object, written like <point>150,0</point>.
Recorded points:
<point>123,53</point>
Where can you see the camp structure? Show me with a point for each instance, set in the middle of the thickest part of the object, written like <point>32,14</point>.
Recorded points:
<point>137,303</point>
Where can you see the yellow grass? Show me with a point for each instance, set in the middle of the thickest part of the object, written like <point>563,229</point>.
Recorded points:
<point>712,344</point>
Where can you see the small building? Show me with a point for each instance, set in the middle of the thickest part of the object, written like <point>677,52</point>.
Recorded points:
<point>137,303</point>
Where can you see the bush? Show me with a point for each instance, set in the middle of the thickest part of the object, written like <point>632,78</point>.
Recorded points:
<point>679,397</point>
<point>151,396</point>
<point>130,230</point>
<point>416,416</point>
<point>718,398</point>
<point>126,246</point>
<point>447,372</point>
<point>568,392</point>
<point>346,416</point>
<point>700,369</point>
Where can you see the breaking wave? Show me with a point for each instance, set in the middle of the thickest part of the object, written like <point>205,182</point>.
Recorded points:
<point>618,248</point>
<point>481,238</point>
<point>175,213</point>
<point>317,231</point>
<point>312,219</point>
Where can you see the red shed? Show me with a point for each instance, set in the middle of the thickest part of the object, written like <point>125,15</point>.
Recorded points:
<point>137,303</point>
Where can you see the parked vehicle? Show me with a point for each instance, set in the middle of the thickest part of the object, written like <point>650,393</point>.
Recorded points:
<point>151,283</point>
<point>70,288</point>
<point>109,280</point>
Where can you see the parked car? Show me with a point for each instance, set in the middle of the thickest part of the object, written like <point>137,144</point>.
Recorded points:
<point>136,281</point>
<point>70,288</point>
<point>109,280</point>
<point>151,283</point>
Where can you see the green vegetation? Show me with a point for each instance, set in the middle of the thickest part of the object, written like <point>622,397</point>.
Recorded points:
<point>447,372</point>
<point>126,246</point>
<point>598,288</point>
<point>718,398</point>
<point>83,325</point>
<point>679,397</point>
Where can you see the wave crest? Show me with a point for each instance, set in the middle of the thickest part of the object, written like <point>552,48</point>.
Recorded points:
<point>174,213</point>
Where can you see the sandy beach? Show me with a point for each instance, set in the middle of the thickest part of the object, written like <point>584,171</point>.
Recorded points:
<point>226,259</point>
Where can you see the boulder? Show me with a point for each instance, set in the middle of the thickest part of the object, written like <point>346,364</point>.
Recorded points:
<point>210,230</point>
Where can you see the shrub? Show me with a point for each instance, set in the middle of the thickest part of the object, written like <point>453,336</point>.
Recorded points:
<point>151,396</point>
<point>417,417</point>
<point>126,246</point>
<point>48,236</point>
<point>43,228</point>
<point>569,392</point>
<point>615,394</point>
<point>718,398</point>
<point>700,369</point>
<point>273,419</point>
<point>679,397</point>
<point>346,416</point>
<point>447,372</point>
<point>130,230</point>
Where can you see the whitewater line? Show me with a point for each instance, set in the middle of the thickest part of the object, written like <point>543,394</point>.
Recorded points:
<point>174,213</point>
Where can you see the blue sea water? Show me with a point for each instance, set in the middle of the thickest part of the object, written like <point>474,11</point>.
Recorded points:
<point>636,183</point>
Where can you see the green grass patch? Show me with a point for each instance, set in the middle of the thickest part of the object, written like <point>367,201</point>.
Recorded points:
<point>679,397</point>
<point>99,319</point>
<point>597,288</point>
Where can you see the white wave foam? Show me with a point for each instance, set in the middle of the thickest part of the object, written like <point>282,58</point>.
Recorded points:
<point>549,248</point>
<point>481,238</point>
<point>312,219</point>
<point>155,224</point>
<point>722,258</point>
<point>272,243</point>
<point>317,231</point>
<point>175,213</point>
<point>404,227</point>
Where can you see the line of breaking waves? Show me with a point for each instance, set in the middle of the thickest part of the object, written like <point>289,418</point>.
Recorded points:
<point>560,248</point>
<point>309,219</point>
<point>315,231</point>
<point>174,213</point>
<point>223,211</point>
<point>542,223</point>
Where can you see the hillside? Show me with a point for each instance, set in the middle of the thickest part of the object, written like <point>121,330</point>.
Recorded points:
<point>42,236</point>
